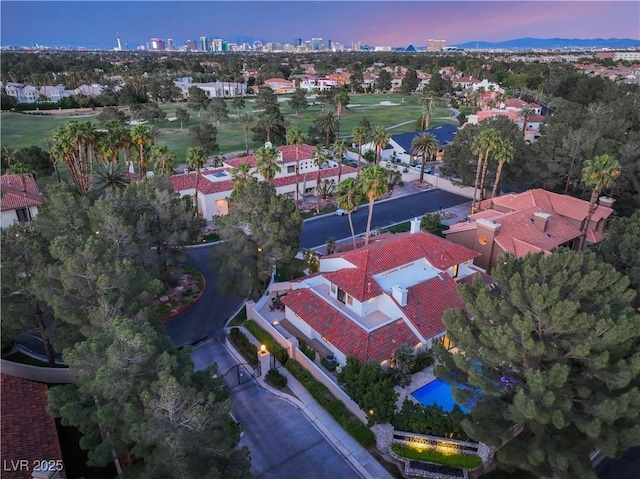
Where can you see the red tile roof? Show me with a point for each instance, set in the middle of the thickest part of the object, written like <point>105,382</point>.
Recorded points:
<point>548,202</point>
<point>12,197</point>
<point>288,155</point>
<point>390,251</point>
<point>28,432</point>
<point>349,337</point>
<point>427,302</point>
<point>188,181</point>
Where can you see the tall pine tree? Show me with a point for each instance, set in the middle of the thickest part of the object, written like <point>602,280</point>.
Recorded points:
<point>548,363</point>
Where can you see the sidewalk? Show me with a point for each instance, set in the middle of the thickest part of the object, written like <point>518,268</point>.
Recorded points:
<point>356,455</point>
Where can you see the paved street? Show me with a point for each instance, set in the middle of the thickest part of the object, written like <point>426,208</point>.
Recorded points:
<point>385,213</point>
<point>283,443</point>
<point>212,310</point>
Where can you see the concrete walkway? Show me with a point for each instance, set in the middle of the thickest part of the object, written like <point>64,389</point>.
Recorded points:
<point>357,456</point>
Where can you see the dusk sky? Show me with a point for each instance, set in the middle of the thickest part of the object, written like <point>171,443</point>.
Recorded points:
<point>397,23</point>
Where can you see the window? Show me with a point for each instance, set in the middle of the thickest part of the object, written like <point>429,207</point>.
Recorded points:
<point>455,271</point>
<point>22,215</point>
<point>446,342</point>
<point>341,295</point>
<point>291,169</point>
<point>349,300</point>
<point>333,288</point>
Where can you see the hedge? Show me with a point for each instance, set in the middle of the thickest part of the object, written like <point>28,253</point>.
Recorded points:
<point>265,338</point>
<point>464,461</point>
<point>335,407</point>
<point>248,350</point>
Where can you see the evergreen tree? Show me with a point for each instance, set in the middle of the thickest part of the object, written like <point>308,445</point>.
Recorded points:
<point>198,99</point>
<point>549,364</point>
<point>262,229</point>
<point>204,136</point>
<point>299,100</point>
<point>218,109</point>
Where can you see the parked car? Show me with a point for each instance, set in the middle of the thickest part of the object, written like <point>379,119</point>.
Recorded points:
<point>426,168</point>
<point>350,162</point>
<point>341,212</point>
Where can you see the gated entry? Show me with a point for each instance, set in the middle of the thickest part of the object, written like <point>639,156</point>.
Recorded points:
<point>279,356</point>
<point>240,374</point>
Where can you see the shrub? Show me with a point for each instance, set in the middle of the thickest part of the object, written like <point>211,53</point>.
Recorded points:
<point>464,461</point>
<point>244,346</point>
<point>306,349</point>
<point>424,359</point>
<point>265,338</point>
<point>431,420</point>
<point>275,379</point>
<point>335,407</point>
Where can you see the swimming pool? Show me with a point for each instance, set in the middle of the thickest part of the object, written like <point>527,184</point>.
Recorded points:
<point>436,392</point>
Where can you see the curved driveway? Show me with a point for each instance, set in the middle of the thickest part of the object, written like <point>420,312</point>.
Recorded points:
<point>209,314</point>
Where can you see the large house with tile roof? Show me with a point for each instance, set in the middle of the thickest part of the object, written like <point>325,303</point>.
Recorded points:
<point>216,185</point>
<point>369,301</point>
<point>512,108</point>
<point>530,222</point>
<point>19,203</point>
<point>28,432</point>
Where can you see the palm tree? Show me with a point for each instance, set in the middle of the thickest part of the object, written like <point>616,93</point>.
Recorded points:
<point>480,147</point>
<point>22,171</point>
<point>141,136</point>
<point>328,124</point>
<point>196,159</point>
<point>599,173</point>
<point>424,144</point>
<point>494,139</point>
<point>109,176</point>
<point>268,161</point>
<point>341,99</point>
<point>504,154</point>
<point>296,138</point>
<point>319,157</point>
<point>404,358</point>
<point>339,149</point>
<point>374,184</point>
<point>246,119</point>
<point>348,199</point>
<point>380,139</point>
<point>427,109</point>
<point>163,160</point>
<point>360,137</point>
<point>269,122</point>
<point>68,150</point>
<point>525,113</point>
<point>241,175</point>
<point>122,136</point>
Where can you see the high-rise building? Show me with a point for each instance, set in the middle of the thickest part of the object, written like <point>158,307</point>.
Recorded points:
<point>204,44</point>
<point>297,42</point>
<point>329,44</point>
<point>191,45</point>
<point>216,45</point>
<point>170,46</point>
<point>156,44</point>
<point>435,45</point>
<point>316,43</point>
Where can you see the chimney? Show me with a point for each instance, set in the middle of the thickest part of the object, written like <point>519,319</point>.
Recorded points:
<point>415,225</point>
<point>541,220</point>
<point>400,294</point>
<point>606,201</point>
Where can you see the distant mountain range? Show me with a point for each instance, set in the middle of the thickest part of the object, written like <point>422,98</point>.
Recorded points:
<point>548,43</point>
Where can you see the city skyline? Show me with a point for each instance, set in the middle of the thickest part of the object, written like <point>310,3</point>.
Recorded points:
<point>95,23</point>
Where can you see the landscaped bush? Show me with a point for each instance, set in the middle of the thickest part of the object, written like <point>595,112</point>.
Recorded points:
<point>370,387</point>
<point>464,461</point>
<point>306,349</point>
<point>244,346</point>
<point>275,379</point>
<point>424,359</point>
<point>431,420</point>
<point>265,338</point>
<point>335,407</point>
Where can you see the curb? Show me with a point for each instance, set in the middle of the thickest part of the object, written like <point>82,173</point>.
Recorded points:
<point>190,305</point>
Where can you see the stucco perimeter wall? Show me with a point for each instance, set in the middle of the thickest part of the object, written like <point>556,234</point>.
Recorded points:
<point>449,186</point>
<point>36,373</point>
<point>292,348</point>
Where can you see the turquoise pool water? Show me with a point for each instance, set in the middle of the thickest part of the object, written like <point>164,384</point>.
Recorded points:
<point>436,392</point>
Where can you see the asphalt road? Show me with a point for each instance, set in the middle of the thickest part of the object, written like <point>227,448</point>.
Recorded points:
<point>385,213</point>
<point>211,311</point>
<point>283,443</point>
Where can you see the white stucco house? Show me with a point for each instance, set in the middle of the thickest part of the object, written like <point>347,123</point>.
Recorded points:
<point>216,185</point>
<point>19,203</point>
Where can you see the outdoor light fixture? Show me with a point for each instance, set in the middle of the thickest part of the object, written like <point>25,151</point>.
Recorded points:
<point>263,348</point>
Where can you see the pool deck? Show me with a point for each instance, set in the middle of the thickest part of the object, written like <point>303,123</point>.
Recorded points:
<point>417,381</point>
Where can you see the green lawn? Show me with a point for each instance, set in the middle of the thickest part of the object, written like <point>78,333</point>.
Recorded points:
<point>20,130</point>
